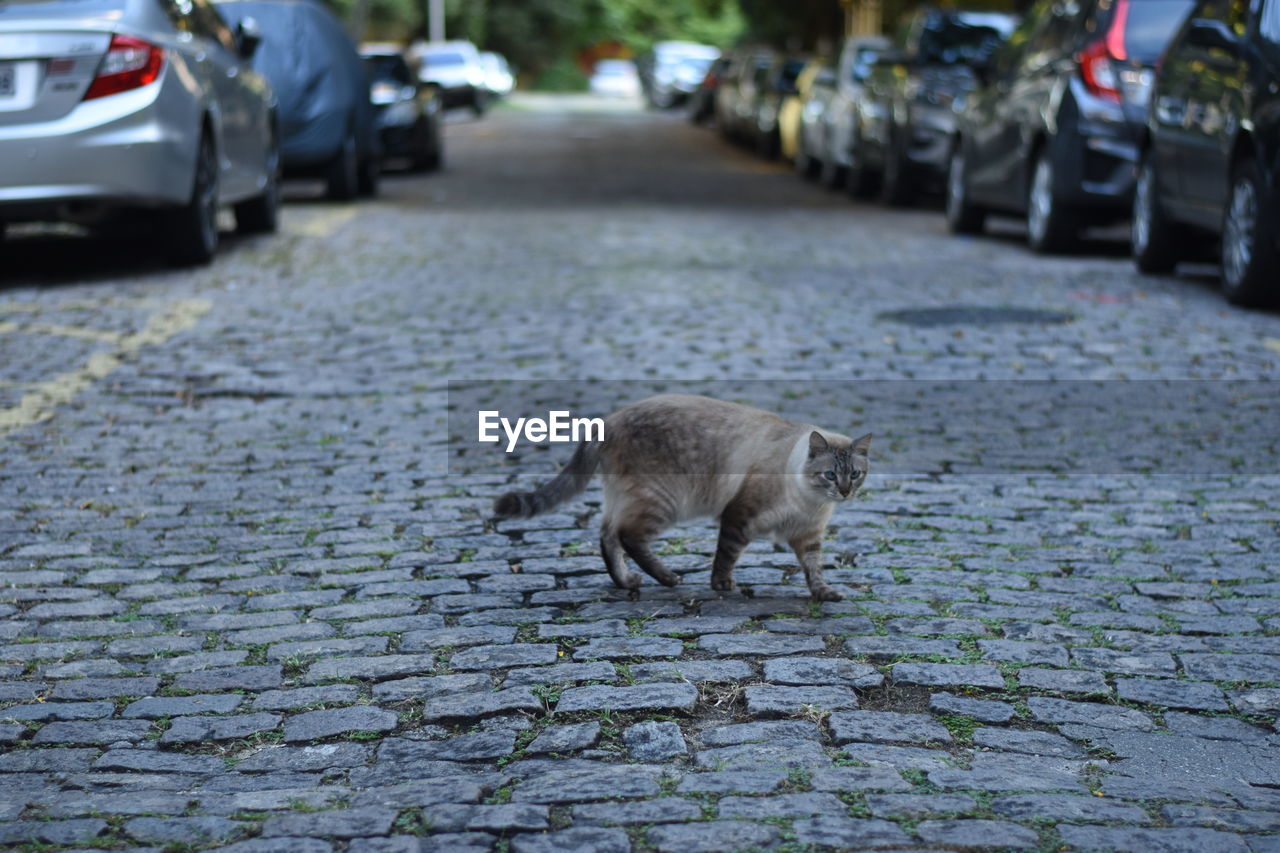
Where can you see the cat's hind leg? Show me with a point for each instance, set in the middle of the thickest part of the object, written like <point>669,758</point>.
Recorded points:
<point>635,534</point>
<point>735,535</point>
<point>611,549</point>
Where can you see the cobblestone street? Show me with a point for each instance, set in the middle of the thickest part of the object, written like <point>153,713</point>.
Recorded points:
<point>246,604</point>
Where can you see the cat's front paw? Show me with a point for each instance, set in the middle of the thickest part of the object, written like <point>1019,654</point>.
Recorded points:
<point>723,584</point>
<point>826,593</point>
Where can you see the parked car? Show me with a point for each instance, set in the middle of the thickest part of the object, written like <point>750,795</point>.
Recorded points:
<point>328,126</point>
<point>673,70</point>
<point>816,73</point>
<point>829,114</point>
<point>498,79</point>
<point>408,112</point>
<point>455,68</point>
<point>774,84</point>
<point>903,133</point>
<point>615,78</point>
<point>738,90</point>
<point>702,102</point>
<point>1053,132</point>
<point>1210,162</point>
<point>114,107</point>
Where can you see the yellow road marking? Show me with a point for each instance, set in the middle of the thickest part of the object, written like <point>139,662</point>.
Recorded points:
<point>39,404</point>
<point>62,331</point>
<point>323,224</point>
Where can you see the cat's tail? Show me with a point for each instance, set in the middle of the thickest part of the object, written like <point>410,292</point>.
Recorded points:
<point>571,480</point>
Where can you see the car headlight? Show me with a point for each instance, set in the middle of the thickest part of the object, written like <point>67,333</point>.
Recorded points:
<point>404,112</point>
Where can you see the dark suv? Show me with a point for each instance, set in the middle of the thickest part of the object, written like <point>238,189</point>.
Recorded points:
<point>1053,131</point>
<point>905,119</point>
<point>1211,161</point>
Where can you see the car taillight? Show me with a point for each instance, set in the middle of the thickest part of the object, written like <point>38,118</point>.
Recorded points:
<point>128,64</point>
<point>1097,68</point>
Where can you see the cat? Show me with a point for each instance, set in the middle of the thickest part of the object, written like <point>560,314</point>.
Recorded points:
<point>675,457</point>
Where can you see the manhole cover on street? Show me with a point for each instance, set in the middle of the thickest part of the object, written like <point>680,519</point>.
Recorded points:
<point>974,315</point>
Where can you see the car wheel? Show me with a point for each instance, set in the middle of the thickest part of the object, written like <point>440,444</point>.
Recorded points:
<point>806,166</point>
<point>861,180</point>
<point>1151,235</point>
<point>478,104</point>
<point>370,168</point>
<point>1250,267</point>
<point>895,181</point>
<point>768,145</point>
<point>193,228</point>
<point>261,215</point>
<point>963,216</point>
<point>344,170</point>
<point>1051,225</point>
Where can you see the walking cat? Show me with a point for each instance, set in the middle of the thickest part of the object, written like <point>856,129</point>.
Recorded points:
<point>675,457</point>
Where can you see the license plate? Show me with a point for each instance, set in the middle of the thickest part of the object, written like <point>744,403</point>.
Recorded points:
<point>8,79</point>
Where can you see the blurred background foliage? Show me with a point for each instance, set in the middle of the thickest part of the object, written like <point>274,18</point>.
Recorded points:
<point>553,43</point>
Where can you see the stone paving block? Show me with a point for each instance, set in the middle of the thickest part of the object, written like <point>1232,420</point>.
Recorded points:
<point>977,834</point>
<point>339,823</point>
<point>983,710</point>
<point>1195,695</point>
<point>81,831</point>
<point>578,839</point>
<point>303,759</point>
<point>313,725</point>
<point>947,675</point>
<point>104,688</point>
<point>712,837</point>
<point>905,757</point>
<point>425,687</point>
<point>472,705</point>
<point>58,711</point>
<point>642,697</point>
<point>1249,668</point>
<point>920,805</point>
<point>587,784</point>
<point>440,638</point>
<point>759,644</point>
<point>654,741</point>
<point>505,817</point>
<point>858,779</point>
<point>1030,742</point>
<point>198,729</point>
<point>561,673</point>
<point>760,732</point>
<point>1062,680</point>
<point>732,782</point>
<point>285,700</point>
<point>566,738</point>
<point>252,678</point>
<point>810,804</point>
<point>153,707</point>
<point>695,671</point>
<point>754,756</point>
<point>374,668</point>
<point>1067,807</point>
<point>1060,711</point>
<point>844,833</point>
<point>501,657</point>
<point>1215,728</point>
<point>1134,839</point>
<point>1017,651</point>
<point>637,812</point>
<point>810,670</point>
<point>182,830</point>
<point>1237,820</point>
<point>154,761</point>
<point>889,649</point>
<point>474,746</point>
<point>886,727</point>
<point>623,648</point>
<point>599,628</point>
<point>767,700</point>
<point>98,731</point>
<point>1159,664</point>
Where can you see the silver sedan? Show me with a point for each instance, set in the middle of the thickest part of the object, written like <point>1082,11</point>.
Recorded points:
<point>109,107</point>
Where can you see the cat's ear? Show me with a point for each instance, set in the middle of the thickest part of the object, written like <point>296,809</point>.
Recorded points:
<point>862,445</point>
<point>817,444</point>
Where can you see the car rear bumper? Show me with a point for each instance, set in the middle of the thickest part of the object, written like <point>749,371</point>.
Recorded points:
<point>136,148</point>
<point>1098,166</point>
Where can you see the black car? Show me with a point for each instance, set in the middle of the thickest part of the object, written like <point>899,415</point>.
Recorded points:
<point>1052,133</point>
<point>408,112</point>
<point>327,122</point>
<point>1210,162</point>
<point>702,103</point>
<point>905,117</point>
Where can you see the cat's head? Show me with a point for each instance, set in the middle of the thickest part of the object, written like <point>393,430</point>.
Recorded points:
<point>838,472</point>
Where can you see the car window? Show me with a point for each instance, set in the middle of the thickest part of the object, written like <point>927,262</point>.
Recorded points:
<point>390,68</point>
<point>950,41</point>
<point>1150,24</point>
<point>1269,25</point>
<point>1233,13</point>
<point>440,60</point>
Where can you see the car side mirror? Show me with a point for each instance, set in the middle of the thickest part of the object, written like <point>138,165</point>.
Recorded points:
<point>1207,33</point>
<point>248,37</point>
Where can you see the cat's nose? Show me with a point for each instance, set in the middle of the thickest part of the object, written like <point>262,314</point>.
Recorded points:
<point>844,490</point>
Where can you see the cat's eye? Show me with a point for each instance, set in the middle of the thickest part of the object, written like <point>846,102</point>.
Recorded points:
<point>830,475</point>
<point>857,474</point>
